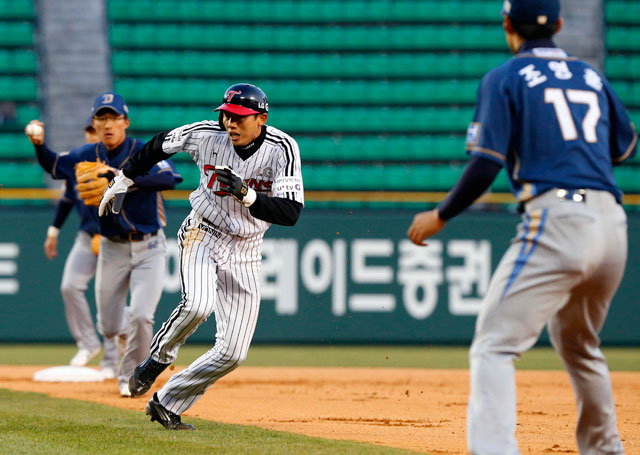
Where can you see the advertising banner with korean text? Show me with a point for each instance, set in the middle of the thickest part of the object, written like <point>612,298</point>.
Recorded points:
<point>335,277</point>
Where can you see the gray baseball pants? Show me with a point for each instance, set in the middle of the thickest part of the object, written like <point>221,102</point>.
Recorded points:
<point>135,268</point>
<point>561,270</point>
<point>79,268</point>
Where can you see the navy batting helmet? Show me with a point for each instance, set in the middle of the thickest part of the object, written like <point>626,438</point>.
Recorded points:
<point>244,99</point>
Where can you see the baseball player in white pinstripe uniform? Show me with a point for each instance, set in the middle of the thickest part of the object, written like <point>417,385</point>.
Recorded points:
<point>220,240</point>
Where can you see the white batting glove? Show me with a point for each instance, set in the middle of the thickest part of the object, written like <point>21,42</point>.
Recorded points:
<point>114,194</point>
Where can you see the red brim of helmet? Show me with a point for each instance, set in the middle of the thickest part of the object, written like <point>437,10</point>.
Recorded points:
<point>236,109</point>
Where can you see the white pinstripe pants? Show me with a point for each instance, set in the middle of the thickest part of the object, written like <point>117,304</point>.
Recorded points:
<point>219,273</point>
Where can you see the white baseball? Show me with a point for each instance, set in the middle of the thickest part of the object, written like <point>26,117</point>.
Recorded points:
<point>34,129</point>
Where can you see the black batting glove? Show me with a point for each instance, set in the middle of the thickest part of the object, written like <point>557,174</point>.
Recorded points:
<point>109,175</point>
<point>231,183</point>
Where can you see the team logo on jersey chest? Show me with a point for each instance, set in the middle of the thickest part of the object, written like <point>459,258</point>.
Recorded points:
<point>261,185</point>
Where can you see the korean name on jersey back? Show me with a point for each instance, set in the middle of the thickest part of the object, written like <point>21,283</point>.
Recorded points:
<point>546,117</point>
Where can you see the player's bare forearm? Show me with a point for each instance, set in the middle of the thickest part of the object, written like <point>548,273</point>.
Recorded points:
<point>142,161</point>
<point>425,225</point>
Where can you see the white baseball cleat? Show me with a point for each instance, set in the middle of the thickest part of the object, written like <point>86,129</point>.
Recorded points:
<point>124,390</point>
<point>84,356</point>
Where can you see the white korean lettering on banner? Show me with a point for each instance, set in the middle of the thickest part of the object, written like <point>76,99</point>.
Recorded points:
<point>332,266</point>
<point>9,268</point>
<point>361,249</point>
<point>172,270</point>
<point>476,270</point>
<point>280,274</point>
<point>420,273</point>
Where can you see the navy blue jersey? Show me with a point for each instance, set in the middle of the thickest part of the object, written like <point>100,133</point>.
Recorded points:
<point>553,121</point>
<point>88,214</point>
<point>143,209</point>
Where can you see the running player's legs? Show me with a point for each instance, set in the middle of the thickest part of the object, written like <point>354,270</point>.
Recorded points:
<point>574,334</point>
<point>146,283</point>
<point>198,277</point>
<point>79,268</point>
<point>530,285</point>
<point>236,310</point>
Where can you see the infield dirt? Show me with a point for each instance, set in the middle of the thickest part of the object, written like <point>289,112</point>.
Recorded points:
<point>421,410</point>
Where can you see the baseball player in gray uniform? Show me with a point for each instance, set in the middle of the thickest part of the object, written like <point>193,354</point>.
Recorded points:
<point>557,127</point>
<point>132,246</point>
<point>220,241</point>
<point>79,268</point>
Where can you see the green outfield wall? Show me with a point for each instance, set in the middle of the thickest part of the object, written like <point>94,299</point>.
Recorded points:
<point>336,277</point>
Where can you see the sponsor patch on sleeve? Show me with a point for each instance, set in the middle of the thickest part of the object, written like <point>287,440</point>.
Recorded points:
<point>173,141</point>
<point>473,134</point>
<point>287,185</point>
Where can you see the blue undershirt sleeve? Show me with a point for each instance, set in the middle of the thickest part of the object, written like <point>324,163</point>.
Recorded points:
<point>46,157</point>
<point>475,180</point>
<point>62,212</point>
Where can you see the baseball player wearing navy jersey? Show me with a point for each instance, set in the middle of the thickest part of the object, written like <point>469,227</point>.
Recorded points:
<point>132,245</point>
<point>79,268</point>
<point>557,127</point>
<point>220,241</point>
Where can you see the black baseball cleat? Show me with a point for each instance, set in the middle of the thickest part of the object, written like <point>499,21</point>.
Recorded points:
<point>166,418</point>
<point>144,376</point>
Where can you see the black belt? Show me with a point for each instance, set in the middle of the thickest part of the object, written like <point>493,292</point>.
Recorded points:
<point>131,236</point>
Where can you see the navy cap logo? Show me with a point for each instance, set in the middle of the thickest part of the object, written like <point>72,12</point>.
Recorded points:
<point>111,101</point>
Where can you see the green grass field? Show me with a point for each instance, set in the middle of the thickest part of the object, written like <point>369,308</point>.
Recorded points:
<point>620,359</point>
<point>32,423</point>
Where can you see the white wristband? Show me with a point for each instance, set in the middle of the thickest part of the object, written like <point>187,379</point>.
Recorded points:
<point>52,231</point>
<point>250,198</point>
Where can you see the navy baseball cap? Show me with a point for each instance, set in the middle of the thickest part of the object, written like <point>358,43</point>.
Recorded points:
<point>110,100</point>
<point>89,124</point>
<point>532,11</point>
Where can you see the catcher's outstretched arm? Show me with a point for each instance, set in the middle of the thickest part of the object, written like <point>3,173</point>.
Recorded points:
<point>146,157</point>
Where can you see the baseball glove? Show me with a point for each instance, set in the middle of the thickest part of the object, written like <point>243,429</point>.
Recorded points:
<point>93,177</point>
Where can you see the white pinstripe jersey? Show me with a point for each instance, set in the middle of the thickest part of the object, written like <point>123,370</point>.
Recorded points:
<point>273,170</point>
